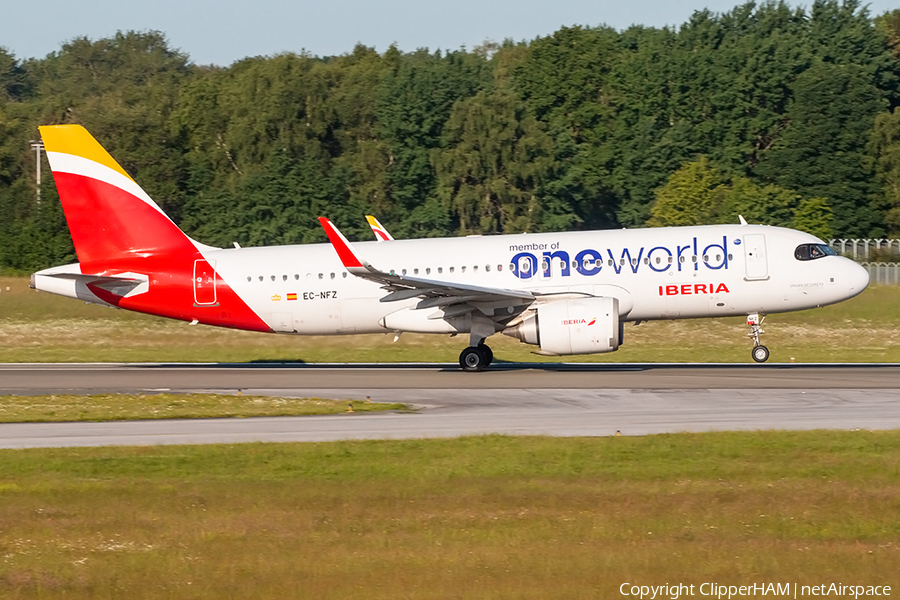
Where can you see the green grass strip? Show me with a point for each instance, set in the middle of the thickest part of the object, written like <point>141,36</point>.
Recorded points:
<point>117,407</point>
<point>473,517</point>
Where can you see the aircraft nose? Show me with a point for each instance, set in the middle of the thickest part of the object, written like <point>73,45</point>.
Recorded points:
<point>857,278</point>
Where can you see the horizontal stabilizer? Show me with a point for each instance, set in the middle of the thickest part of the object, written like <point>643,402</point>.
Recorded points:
<point>67,281</point>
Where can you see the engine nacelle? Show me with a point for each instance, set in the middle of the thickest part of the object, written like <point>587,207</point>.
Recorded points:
<point>582,326</point>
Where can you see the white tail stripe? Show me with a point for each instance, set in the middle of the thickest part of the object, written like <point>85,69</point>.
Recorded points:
<point>85,167</point>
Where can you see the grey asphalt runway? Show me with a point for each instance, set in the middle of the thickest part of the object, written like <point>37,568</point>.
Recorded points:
<point>561,400</point>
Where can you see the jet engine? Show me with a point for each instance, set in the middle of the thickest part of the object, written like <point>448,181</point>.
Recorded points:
<point>573,326</point>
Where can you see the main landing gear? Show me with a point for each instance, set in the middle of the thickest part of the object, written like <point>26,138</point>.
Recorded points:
<point>759,353</point>
<point>476,358</point>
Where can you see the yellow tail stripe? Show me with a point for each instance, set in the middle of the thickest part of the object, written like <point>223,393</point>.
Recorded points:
<point>75,140</point>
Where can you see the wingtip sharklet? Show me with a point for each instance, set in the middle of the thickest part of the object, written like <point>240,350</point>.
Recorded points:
<point>344,251</point>
<point>381,234</point>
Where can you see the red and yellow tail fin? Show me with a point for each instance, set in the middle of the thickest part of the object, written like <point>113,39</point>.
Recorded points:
<point>110,217</point>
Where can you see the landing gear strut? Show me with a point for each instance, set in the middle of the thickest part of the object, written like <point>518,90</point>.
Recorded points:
<point>759,353</point>
<point>475,358</point>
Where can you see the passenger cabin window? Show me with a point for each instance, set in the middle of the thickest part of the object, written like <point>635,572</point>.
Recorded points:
<point>813,251</point>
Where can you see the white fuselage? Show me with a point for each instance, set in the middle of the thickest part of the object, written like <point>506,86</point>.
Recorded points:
<point>666,273</point>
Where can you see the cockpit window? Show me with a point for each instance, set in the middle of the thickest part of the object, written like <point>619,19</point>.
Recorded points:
<point>813,251</point>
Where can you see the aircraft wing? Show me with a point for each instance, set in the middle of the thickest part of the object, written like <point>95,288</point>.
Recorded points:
<point>433,292</point>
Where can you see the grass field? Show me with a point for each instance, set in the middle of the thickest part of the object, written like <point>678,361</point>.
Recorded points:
<point>40,327</point>
<point>477,517</point>
<point>117,407</point>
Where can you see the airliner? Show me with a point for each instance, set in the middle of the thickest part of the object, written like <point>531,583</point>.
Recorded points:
<point>564,293</point>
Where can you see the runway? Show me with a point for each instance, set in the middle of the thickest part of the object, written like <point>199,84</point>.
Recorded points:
<point>559,400</point>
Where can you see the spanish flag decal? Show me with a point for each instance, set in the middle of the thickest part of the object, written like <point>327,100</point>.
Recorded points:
<point>292,296</point>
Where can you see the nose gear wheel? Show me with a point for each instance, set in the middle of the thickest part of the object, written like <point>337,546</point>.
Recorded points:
<point>759,352</point>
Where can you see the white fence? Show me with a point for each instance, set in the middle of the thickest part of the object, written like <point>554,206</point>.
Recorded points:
<point>883,273</point>
<point>862,249</point>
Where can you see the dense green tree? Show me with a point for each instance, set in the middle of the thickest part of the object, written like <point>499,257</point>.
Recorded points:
<point>884,151</point>
<point>414,101</point>
<point>693,195</point>
<point>791,111</point>
<point>821,149</point>
<point>562,80</point>
<point>700,194</point>
<point>496,157</point>
<point>814,216</point>
<point>889,25</point>
<point>14,82</point>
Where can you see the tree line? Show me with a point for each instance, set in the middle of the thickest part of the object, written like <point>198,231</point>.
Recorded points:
<point>784,115</point>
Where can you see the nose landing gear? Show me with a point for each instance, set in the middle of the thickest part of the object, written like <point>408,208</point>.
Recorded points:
<point>759,353</point>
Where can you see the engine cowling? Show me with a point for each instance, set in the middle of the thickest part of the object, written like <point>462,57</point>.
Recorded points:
<point>574,326</point>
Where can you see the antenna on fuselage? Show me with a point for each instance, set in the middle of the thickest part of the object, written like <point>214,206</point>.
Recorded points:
<point>741,217</point>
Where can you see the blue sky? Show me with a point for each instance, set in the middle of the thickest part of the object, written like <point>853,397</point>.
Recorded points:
<point>222,31</point>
